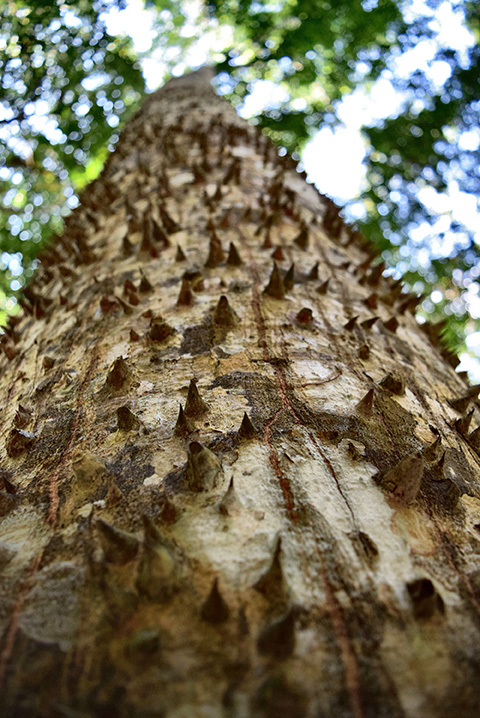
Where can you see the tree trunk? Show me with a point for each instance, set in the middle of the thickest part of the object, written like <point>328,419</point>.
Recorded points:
<point>238,478</point>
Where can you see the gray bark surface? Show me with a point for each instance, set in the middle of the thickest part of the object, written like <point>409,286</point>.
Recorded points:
<point>236,477</point>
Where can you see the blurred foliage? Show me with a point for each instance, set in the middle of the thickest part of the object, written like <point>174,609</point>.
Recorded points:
<point>320,51</point>
<point>67,86</point>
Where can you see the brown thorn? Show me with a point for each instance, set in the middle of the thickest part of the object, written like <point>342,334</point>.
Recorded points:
<point>247,429</point>
<point>351,324</point>
<point>224,315</point>
<point>182,426</point>
<point>118,375</point>
<point>233,259</point>
<point>194,406</point>
<point>180,254</point>
<point>394,384</point>
<point>289,278</point>
<point>313,273</point>
<point>275,287</point>
<point>215,253</point>
<point>322,289</point>
<point>365,405</point>
<point>185,295</point>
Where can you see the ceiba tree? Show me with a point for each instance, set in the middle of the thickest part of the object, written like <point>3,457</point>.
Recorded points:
<point>238,479</point>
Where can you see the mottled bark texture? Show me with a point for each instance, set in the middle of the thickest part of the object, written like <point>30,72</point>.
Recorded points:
<point>237,478</point>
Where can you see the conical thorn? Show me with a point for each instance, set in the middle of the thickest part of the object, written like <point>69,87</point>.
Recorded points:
<point>233,259</point>
<point>118,375</point>
<point>313,273</point>
<point>185,295</point>
<point>474,440</point>
<point>247,429</point>
<point>323,287</point>
<point>365,405</point>
<point>118,546</point>
<point>278,254</point>
<point>194,406</point>
<point>224,315</point>
<point>126,419</point>
<point>391,324</point>
<point>230,504</point>
<point>275,287</point>
<point>394,384</point>
<point>363,352</point>
<point>462,425</point>
<point>351,324</point>
<point>145,285</point>
<point>215,253</point>
<point>182,426</point>
<point>215,610</point>
<point>202,470</point>
<point>278,638</point>
<point>159,330</point>
<point>180,254</point>
<point>289,278</point>
<point>402,482</point>
<point>301,240</point>
<point>461,404</point>
<point>368,323</point>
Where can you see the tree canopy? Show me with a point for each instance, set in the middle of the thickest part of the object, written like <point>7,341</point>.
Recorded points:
<point>68,85</point>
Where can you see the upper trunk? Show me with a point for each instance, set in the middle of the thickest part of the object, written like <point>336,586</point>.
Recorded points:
<point>231,487</point>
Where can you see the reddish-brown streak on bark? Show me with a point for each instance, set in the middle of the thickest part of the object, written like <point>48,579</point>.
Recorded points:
<point>349,658</point>
<point>283,387</point>
<point>259,321</point>
<point>348,655</point>
<point>284,483</point>
<point>260,326</point>
<point>273,457</point>
<point>11,631</point>
<point>53,484</point>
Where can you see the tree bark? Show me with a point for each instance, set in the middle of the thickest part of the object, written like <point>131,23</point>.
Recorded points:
<point>238,478</point>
